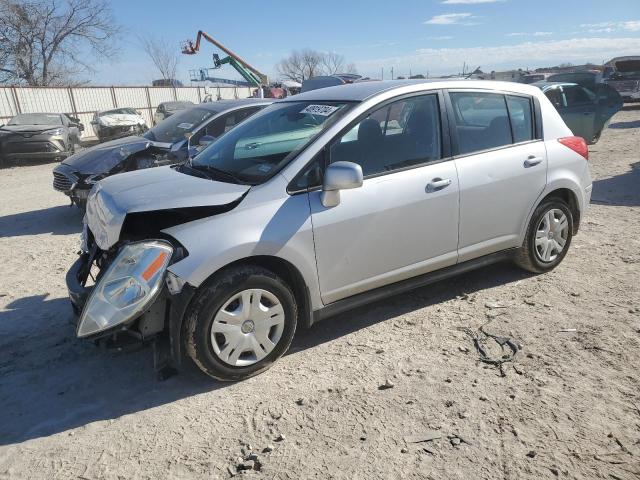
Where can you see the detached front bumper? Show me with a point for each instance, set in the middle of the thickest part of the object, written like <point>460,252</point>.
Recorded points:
<point>76,278</point>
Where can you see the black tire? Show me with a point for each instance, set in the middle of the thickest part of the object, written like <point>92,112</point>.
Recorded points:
<point>211,297</point>
<point>527,256</point>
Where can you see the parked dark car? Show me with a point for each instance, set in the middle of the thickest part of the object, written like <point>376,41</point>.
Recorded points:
<point>39,136</point>
<point>164,144</point>
<point>166,109</point>
<point>118,123</point>
<point>623,74</point>
<point>584,111</point>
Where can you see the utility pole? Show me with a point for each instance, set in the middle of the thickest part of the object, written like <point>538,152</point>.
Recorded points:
<point>391,73</point>
<point>382,73</point>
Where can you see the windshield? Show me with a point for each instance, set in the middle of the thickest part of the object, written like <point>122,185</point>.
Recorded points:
<point>36,119</point>
<point>257,148</point>
<point>176,106</point>
<point>172,129</point>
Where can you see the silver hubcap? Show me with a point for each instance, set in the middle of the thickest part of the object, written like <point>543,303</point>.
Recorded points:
<point>247,327</point>
<point>551,235</point>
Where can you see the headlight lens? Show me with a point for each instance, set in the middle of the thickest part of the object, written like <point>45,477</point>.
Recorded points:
<point>128,286</point>
<point>53,131</point>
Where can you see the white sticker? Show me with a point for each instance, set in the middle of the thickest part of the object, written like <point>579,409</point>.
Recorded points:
<point>323,110</point>
<point>185,126</point>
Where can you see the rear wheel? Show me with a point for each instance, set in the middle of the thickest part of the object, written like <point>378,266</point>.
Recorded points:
<point>548,237</point>
<point>240,323</point>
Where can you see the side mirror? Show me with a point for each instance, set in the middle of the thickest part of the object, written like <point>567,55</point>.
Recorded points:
<point>339,176</point>
<point>206,140</point>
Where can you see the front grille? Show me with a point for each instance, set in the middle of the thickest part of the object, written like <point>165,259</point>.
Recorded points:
<point>61,182</point>
<point>30,147</point>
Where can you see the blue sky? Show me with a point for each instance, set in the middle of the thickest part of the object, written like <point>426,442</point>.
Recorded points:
<point>435,36</point>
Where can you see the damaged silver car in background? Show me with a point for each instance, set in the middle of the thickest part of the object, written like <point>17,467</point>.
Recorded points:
<point>118,123</point>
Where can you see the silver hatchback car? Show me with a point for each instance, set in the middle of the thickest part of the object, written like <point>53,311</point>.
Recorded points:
<point>322,202</point>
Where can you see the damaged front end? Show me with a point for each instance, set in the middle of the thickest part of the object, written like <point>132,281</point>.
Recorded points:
<point>121,286</point>
<point>79,173</point>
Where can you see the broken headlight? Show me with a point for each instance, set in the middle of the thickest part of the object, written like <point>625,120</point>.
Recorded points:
<point>128,286</point>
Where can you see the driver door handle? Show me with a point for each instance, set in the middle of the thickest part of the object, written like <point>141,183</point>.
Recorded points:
<point>532,160</point>
<point>438,184</point>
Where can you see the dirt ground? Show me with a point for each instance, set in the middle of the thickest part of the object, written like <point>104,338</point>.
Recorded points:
<point>569,407</point>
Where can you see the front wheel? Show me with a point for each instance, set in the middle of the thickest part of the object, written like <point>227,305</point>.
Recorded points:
<point>240,322</point>
<point>548,237</point>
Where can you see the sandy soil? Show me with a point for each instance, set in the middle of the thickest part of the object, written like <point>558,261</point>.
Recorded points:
<point>569,407</point>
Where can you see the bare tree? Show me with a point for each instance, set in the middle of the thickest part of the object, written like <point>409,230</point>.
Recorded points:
<point>48,42</point>
<point>351,68</point>
<point>303,64</point>
<point>331,63</point>
<point>163,54</point>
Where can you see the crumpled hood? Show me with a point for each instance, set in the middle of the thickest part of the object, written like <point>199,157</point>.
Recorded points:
<point>103,157</point>
<point>120,119</point>
<point>150,190</point>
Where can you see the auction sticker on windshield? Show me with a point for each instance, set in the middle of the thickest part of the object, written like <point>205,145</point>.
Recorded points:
<point>323,110</point>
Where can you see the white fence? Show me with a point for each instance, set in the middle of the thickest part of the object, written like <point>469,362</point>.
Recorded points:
<point>83,102</point>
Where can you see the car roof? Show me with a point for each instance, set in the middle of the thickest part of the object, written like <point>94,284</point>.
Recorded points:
<point>177,102</point>
<point>224,105</point>
<point>359,91</point>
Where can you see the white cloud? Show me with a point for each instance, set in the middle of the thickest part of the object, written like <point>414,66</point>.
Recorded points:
<point>443,37</point>
<point>525,34</point>
<point>632,25</point>
<point>449,19</point>
<point>469,2</point>
<point>609,27</point>
<point>525,54</point>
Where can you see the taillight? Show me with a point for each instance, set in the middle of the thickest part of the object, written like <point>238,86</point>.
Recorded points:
<point>577,144</point>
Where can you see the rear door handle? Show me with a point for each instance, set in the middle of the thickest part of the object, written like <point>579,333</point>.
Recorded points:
<point>438,184</point>
<point>532,160</point>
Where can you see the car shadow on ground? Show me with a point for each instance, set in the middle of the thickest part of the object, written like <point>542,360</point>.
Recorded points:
<point>620,190</point>
<point>625,125</point>
<point>60,220</point>
<point>51,382</point>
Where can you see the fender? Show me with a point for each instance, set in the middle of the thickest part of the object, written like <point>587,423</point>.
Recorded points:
<point>277,227</point>
<point>567,182</point>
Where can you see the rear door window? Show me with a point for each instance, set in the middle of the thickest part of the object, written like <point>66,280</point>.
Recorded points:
<point>481,121</point>
<point>521,115</point>
<point>576,95</point>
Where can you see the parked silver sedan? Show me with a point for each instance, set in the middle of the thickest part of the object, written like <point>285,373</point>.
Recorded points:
<point>322,202</point>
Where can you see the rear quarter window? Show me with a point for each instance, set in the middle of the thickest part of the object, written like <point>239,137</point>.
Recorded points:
<point>521,115</point>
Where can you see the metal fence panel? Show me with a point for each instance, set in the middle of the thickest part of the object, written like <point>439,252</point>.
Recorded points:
<point>158,95</point>
<point>92,99</point>
<point>7,104</point>
<point>188,94</point>
<point>49,100</point>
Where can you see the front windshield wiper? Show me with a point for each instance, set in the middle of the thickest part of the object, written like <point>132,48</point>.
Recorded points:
<point>217,171</point>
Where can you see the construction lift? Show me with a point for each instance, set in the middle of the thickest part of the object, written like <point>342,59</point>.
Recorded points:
<point>251,75</point>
